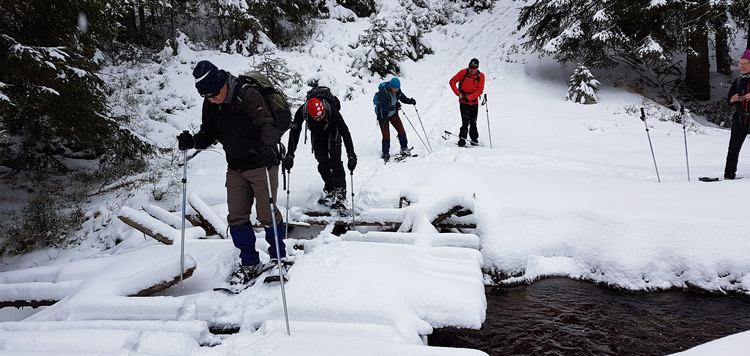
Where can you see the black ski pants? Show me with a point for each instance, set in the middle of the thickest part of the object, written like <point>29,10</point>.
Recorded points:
<point>469,121</point>
<point>327,149</point>
<point>736,139</point>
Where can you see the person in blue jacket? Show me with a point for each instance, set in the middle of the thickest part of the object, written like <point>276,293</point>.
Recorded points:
<point>387,104</point>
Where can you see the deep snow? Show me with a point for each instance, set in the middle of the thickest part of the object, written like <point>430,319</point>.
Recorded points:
<point>566,189</point>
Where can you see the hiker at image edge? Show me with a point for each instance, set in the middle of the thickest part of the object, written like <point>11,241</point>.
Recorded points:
<point>241,121</point>
<point>327,130</point>
<point>739,97</point>
<point>386,102</point>
<point>468,85</point>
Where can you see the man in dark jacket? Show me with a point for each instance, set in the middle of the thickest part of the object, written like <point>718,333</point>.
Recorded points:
<point>468,85</point>
<point>327,128</point>
<point>739,97</point>
<point>386,102</point>
<point>241,121</point>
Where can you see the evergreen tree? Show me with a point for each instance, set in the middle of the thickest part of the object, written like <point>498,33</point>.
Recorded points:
<point>582,86</point>
<point>51,102</point>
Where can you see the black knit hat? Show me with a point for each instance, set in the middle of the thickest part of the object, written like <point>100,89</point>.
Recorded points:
<point>474,63</point>
<point>208,79</point>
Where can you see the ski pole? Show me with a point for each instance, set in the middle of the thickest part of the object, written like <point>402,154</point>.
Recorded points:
<point>288,187</point>
<point>184,202</point>
<point>415,131</point>
<point>278,252</point>
<point>354,223</point>
<point>684,135</point>
<point>643,118</point>
<point>487,110</point>
<point>423,130</point>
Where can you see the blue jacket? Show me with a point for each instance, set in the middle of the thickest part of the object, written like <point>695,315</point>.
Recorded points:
<point>382,101</point>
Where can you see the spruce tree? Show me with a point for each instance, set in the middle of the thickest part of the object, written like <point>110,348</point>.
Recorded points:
<point>582,86</point>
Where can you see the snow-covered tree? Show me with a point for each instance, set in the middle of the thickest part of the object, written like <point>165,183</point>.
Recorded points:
<point>53,104</point>
<point>582,86</point>
<point>387,42</point>
<point>643,34</point>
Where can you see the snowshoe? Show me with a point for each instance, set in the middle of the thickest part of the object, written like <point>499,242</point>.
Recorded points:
<point>716,179</point>
<point>273,273</point>
<point>244,277</point>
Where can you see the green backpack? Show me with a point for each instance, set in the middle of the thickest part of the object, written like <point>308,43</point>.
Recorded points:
<point>275,99</point>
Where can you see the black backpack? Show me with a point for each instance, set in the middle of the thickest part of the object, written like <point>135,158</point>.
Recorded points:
<point>275,99</point>
<point>324,93</point>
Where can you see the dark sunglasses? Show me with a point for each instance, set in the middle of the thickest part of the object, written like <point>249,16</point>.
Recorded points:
<point>209,95</point>
<point>318,118</point>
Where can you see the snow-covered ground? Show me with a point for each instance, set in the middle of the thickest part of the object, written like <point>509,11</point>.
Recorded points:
<point>565,189</point>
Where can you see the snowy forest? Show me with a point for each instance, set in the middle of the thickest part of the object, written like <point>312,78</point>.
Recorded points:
<point>93,94</point>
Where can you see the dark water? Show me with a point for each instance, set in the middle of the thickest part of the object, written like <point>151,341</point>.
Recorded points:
<point>560,316</point>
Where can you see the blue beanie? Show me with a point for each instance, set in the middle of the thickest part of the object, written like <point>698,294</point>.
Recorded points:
<point>208,79</point>
<point>395,83</point>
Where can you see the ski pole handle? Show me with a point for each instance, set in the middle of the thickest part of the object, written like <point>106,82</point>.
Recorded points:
<point>643,115</point>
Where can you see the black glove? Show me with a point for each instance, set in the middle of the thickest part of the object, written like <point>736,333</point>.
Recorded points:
<point>289,161</point>
<point>269,156</point>
<point>185,141</point>
<point>398,106</point>
<point>413,101</point>
<point>352,163</point>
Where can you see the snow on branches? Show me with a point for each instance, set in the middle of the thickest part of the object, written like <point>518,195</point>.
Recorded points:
<point>582,86</point>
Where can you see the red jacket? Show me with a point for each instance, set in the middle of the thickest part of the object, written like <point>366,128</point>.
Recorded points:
<point>472,86</point>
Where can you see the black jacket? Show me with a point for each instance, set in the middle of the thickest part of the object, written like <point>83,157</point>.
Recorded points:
<point>242,124</point>
<point>332,121</point>
<point>740,86</point>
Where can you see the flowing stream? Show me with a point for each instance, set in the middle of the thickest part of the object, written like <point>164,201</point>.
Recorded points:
<point>560,316</point>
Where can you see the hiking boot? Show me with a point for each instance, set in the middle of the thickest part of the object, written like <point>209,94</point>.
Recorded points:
<point>386,157</point>
<point>327,199</point>
<point>461,142</point>
<point>247,274</point>
<point>729,176</point>
<point>405,152</point>
<point>339,199</point>
<point>474,143</point>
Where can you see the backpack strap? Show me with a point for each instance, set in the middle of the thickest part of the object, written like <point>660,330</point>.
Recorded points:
<point>479,76</point>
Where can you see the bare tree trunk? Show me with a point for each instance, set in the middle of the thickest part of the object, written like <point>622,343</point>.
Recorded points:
<point>697,72</point>
<point>697,68</point>
<point>142,20</point>
<point>723,61</point>
<point>131,27</point>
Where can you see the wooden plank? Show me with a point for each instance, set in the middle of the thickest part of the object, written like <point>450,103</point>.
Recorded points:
<point>164,285</point>
<point>27,303</point>
<point>144,293</point>
<point>145,230</point>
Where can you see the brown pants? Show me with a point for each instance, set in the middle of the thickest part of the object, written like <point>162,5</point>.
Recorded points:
<point>395,120</point>
<point>243,188</point>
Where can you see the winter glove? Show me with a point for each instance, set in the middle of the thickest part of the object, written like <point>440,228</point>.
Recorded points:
<point>398,106</point>
<point>269,156</point>
<point>185,141</point>
<point>413,101</point>
<point>352,163</point>
<point>288,162</point>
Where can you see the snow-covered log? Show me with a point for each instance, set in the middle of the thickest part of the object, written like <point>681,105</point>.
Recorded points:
<point>156,229</point>
<point>207,216</point>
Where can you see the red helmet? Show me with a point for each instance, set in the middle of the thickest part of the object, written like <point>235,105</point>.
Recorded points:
<point>315,107</point>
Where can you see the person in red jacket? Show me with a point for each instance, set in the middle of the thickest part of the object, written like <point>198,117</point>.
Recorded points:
<point>470,87</point>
